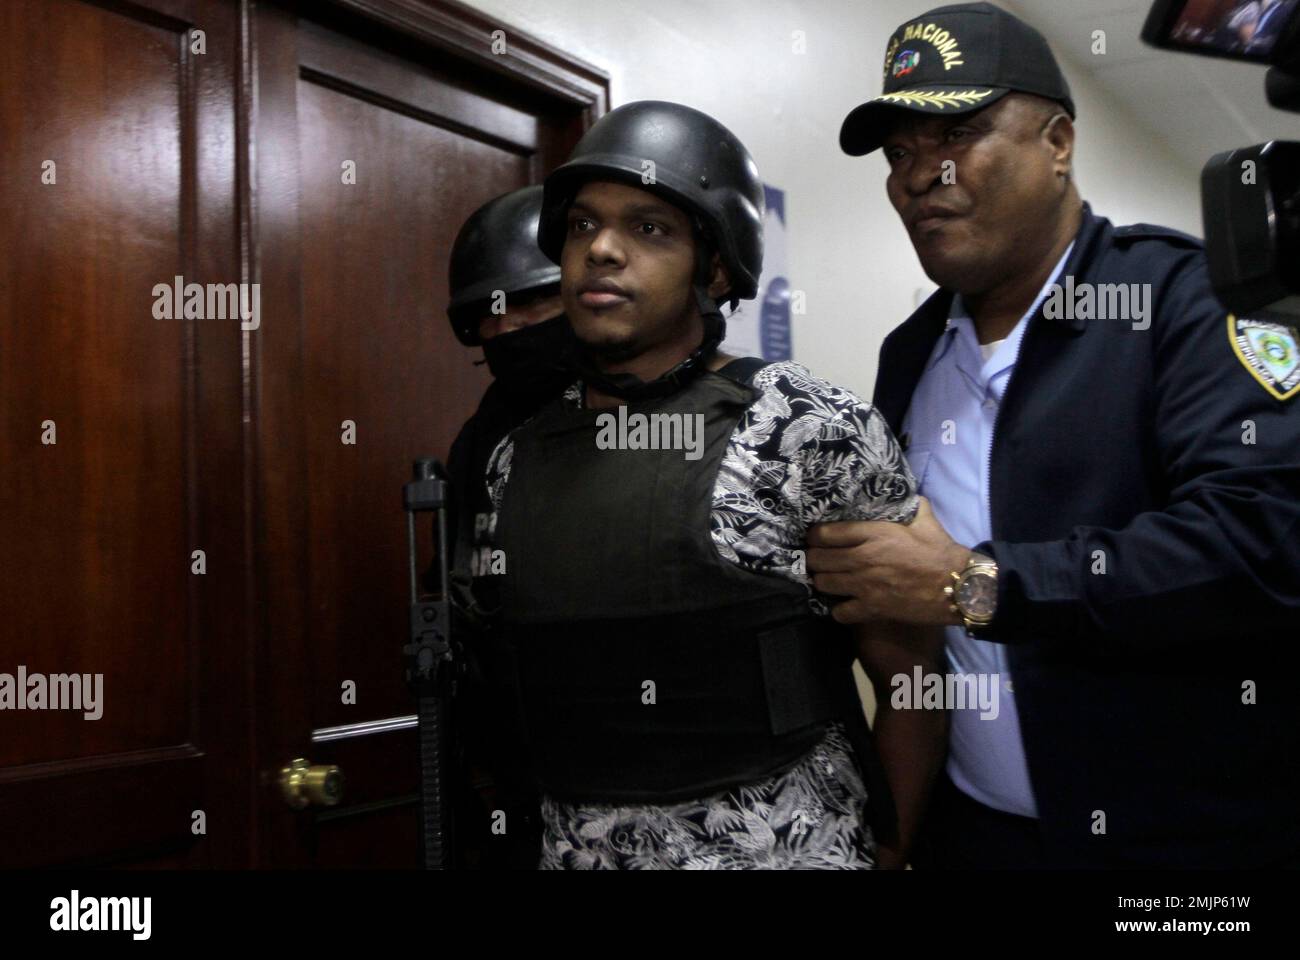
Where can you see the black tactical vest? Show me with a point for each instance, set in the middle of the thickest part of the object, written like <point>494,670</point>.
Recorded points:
<point>649,668</point>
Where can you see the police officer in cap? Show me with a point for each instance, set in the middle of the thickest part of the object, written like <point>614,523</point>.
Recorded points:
<point>688,702</point>
<point>505,297</point>
<point>1110,465</point>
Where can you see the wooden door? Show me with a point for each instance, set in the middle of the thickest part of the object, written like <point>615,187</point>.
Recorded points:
<point>326,153</point>
<point>120,439</point>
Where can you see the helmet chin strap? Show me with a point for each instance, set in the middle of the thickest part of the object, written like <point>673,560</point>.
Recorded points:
<point>627,386</point>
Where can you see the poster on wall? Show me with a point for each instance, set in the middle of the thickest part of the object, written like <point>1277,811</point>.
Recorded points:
<point>761,327</point>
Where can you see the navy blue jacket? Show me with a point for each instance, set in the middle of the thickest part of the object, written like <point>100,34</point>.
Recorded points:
<point>1123,450</point>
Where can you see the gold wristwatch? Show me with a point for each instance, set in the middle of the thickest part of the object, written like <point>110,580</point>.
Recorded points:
<point>973,594</point>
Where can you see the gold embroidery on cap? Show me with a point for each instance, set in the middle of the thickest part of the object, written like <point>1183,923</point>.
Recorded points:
<point>940,100</point>
<point>889,57</point>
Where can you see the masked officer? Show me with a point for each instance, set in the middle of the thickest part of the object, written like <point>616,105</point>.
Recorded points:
<point>688,703</point>
<point>1113,466</point>
<point>505,297</point>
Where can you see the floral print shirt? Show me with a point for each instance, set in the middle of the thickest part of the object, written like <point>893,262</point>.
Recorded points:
<point>804,452</point>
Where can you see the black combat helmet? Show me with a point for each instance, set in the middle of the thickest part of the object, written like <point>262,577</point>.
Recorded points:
<point>496,250</point>
<point>686,157</point>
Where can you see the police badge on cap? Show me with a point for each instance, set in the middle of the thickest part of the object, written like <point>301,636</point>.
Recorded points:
<point>955,59</point>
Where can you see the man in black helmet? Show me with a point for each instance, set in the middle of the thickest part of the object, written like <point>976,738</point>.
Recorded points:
<point>688,703</point>
<point>505,297</point>
<point>1114,470</point>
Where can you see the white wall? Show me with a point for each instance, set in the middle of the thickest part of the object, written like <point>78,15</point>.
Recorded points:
<point>734,59</point>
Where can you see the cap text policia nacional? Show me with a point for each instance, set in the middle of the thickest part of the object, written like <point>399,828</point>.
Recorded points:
<point>952,60</point>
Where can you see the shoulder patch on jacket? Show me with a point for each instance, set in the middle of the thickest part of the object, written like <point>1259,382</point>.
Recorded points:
<point>1148,231</point>
<point>1270,351</point>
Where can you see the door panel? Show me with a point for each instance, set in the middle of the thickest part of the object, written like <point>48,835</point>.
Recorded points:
<point>369,346</point>
<point>100,524</point>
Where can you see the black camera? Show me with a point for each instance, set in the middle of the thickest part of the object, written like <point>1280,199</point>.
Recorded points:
<point>1250,197</point>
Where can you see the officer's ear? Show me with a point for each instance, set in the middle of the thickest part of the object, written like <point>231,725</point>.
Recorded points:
<point>1059,134</point>
<point>719,281</point>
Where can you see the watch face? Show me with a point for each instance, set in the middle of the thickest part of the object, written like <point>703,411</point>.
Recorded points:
<point>977,596</point>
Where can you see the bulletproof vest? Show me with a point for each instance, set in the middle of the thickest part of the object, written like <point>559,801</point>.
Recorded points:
<point>648,668</point>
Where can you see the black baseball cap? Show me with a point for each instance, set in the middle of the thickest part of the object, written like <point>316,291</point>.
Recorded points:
<point>955,59</point>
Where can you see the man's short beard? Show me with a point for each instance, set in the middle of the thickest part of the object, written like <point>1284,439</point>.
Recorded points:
<point>614,351</point>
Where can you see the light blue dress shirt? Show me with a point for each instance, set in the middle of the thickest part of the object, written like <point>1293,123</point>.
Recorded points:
<point>950,429</point>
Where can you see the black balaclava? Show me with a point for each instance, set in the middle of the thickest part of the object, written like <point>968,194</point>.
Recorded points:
<point>532,360</point>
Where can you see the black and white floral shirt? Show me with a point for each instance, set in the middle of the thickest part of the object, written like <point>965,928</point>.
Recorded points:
<point>804,452</point>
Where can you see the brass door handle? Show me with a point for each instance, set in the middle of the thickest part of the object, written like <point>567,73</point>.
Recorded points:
<point>303,784</point>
